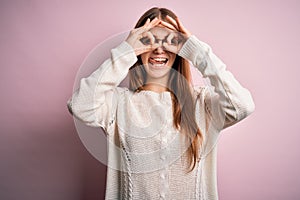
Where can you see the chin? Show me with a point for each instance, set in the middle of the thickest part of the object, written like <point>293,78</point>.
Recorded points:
<point>157,71</point>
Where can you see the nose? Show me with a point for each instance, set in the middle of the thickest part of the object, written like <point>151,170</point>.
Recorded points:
<point>159,50</point>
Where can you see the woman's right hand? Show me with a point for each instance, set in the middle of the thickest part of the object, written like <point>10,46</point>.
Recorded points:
<point>141,39</point>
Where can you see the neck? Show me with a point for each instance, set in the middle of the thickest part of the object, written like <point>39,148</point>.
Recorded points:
<point>155,87</point>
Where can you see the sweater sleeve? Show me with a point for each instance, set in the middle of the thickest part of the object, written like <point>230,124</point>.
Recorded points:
<point>94,102</point>
<point>227,101</point>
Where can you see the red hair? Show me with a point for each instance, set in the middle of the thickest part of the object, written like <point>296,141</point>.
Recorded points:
<point>179,85</point>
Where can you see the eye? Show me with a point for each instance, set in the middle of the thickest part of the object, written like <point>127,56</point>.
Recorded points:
<point>175,41</point>
<point>145,40</point>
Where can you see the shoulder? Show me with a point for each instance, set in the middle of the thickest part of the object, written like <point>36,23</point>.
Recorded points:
<point>119,94</point>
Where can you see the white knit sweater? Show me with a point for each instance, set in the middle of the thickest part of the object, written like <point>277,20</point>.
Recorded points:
<point>145,152</point>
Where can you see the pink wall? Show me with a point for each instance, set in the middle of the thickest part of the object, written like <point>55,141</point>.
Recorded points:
<point>43,44</point>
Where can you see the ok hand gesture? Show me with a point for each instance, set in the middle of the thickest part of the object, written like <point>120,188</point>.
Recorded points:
<point>178,37</point>
<point>141,39</point>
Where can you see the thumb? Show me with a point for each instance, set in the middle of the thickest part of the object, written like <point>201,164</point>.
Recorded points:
<point>171,48</point>
<point>155,46</point>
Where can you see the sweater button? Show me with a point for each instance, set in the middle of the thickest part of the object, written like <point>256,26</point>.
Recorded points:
<point>164,140</point>
<point>162,196</point>
<point>163,156</point>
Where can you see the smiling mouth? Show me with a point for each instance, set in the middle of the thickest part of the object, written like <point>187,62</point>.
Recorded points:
<point>158,61</point>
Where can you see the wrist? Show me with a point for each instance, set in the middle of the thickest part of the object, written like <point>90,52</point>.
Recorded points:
<point>192,50</point>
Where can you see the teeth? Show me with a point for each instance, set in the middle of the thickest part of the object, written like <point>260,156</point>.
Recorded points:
<point>160,59</point>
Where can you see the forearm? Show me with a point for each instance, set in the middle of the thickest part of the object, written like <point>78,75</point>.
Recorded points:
<point>92,101</point>
<point>234,100</point>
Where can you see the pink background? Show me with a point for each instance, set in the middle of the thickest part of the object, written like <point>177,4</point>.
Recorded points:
<point>43,44</point>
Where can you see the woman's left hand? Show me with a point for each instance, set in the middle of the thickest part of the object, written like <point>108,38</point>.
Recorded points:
<point>176,39</point>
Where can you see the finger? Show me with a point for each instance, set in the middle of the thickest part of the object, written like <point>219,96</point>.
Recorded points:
<point>169,38</point>
<point>147,22</point>
<point>150,47</point>
<point>155,46</point>
<point>179,23</point>
<point>150,36</point>
<point>167,25</point>
<point>139,28</point>
<point>170,48</point>
<point>147,48</point>
<point>173,22</point>
<point>139,31</point>
<point>154,22</point>
<point>181,27</point>
<point>146,26</point>
<point>149,25</point>
<point>136,29</point>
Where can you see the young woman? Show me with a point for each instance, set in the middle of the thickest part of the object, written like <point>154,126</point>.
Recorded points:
<point>161,131</point>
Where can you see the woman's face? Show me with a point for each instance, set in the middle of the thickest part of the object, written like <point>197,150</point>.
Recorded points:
<point>158,62</point>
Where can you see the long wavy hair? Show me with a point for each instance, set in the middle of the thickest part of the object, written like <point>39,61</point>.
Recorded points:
<point>179,85</point>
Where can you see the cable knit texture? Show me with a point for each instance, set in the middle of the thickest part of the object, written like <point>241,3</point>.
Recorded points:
<point>146,158</point>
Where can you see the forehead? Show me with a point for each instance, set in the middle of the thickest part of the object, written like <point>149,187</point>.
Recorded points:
<point>160,32</point>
